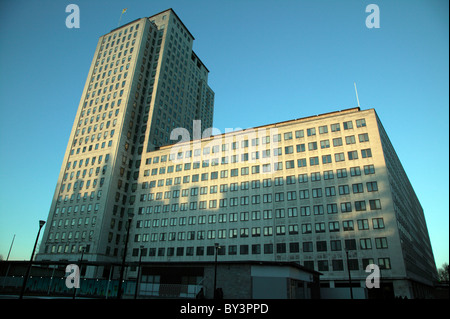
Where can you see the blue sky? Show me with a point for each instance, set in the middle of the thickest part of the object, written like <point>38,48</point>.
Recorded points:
<point>269,61</point>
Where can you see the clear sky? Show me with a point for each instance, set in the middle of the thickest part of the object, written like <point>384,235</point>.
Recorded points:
<point>269,61</point>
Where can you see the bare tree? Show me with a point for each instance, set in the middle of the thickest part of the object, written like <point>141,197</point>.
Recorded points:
<point>443,272</point>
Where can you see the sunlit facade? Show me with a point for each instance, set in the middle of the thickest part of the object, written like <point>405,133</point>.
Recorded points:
<point>327,191</point>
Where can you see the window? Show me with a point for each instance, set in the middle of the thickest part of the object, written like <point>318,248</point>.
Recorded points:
<point>363,224</point>
<point>312,146</point>
<point>328,175</point>
<point>366,153</point>
<point>256,199</point>
<point>358,188</point>
<point>355,171</point>
<point>306,229</point>
<point>320,227</point>
<point>321,245</point>
<point>305,211</point>
<point>288,136</point>
<point>347,225</point>
<point>288,149</point>
<point>299,134</point>
<point>224,188</point>
<point>290,164</point>
<point>352,155</point>
<point>341,173</point>
<point>315,176</point>
<point>332,208</point>
<point>372,186</point>
<point>350,244</point>
<point>268,248</point>
<point>311,131</point>
<point>384,263</point>
<point>323,129</point>
<point>281,230</point>
<point>326,159</point>
<point>335,127</point>
<point>378,223</point>
<point>365,243</point>
<point>290,180</point>
<point>267,198</point>
<point>256,215</point>
<point>314,161</point>
<point>307,246</point>
<point>325,144</point>
<point>348,125</point>
<point>369,169</point>
<point>268,231</point>
<point>300,148</point>
<point>344,190</point>
<point>301,162</point>
<point>346,207</point>
<point>375,204</point>
<point>316,192</point>
<point>292,195</point>
<point>339,157</point>
<point>335,245</point>
<point>304,194</point>
<point>360,206</point>
<point>330,191</point>
<point>350,139</point>
<point>302,178</point>
<point>267,214</point>
<point>337,141</point>
<point>363,137</point>
<point>318,209</point>
<point>333,226</point>
<point>381,243</point>
<point>292,212</point>
<point>361,123</point>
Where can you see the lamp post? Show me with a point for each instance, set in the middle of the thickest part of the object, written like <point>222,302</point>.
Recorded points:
<point>79,267</point>
<point>215,267</point>
<point>139,272</point>
<point>41,223</point>
<point>349,275</point>
<point>119,291</point>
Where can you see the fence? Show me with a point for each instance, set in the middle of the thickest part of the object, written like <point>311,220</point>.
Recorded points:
<point>96,288</point>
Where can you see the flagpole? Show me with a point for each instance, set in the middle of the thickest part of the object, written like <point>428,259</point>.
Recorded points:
<point>123,11</point>
<point>118,24</point>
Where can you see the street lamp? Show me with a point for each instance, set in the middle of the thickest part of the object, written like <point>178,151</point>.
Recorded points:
<point>139,272</point>
<point>41,223</point>
<point>349,276</point>
<point>217,247</point>
<point>119,292</point>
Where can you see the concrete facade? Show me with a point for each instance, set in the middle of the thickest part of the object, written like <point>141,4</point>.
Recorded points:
<point>307,191</point>
<point>144,81</point>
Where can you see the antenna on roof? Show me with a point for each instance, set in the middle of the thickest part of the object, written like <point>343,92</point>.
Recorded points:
<point>356,91</point>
